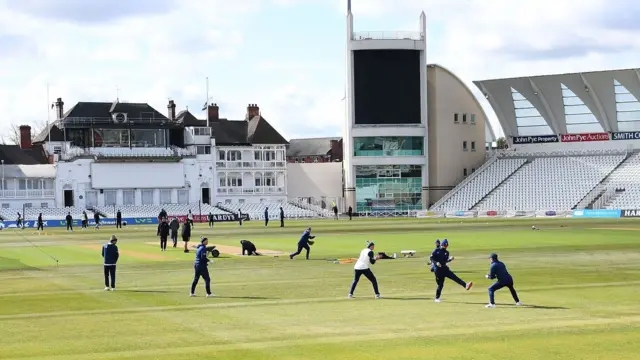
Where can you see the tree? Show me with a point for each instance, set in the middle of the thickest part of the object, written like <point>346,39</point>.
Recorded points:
<point>502,143</point>
<point>12,137</point>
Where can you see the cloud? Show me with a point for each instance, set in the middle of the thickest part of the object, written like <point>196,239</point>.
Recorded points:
<point>89,12</point>
<point>160,49</point>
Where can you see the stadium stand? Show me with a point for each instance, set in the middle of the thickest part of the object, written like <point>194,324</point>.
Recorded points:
<point>551,183</point>
<point>256,211</point>
<point>468,193</point>
<point>622,188</point>
<point>47,213</point>
<point>154,210</point>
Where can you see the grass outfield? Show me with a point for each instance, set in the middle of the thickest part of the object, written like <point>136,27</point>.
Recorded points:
<point>579,280</point>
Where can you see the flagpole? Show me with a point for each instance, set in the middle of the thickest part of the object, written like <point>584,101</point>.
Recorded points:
<point>207,102</point>
<point>48,115</point>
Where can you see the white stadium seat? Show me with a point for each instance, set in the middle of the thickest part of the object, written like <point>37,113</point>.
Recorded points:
<point>551,183</point>
<point>625,179</point>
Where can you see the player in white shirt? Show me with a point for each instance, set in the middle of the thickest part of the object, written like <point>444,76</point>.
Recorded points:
<point>362,267</point>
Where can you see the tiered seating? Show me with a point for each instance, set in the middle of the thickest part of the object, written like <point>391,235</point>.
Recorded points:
<point>47,213</point>
<point>470,193</point>
<point>626,177</point>
<point>153,210</point>
<point>256,211</point>
<point>551,183</point>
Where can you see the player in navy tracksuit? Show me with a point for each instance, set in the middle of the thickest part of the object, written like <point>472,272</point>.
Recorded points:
<point>201,268</point>
<point>499,271</point>
<point>110,254</point>
<point>440,256</point>
<point>303,243</point>
<point>433,264</point>
<point>266,216</point>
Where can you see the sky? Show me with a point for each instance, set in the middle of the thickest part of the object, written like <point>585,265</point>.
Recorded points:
<point>287,56</point>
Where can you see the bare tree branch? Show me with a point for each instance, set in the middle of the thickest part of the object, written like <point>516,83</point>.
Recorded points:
<point>13,136</point>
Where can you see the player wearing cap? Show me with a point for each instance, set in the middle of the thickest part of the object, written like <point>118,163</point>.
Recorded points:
<point>201,268</point>
<point>362,267</point>
<point>498,270</point>
<point>110,254</point>
<point>440,256</point>
<point>303,243</point>
<point>432,263</point>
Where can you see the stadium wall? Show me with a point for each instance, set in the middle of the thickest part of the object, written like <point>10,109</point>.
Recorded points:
<point>314,180</point>
<point>447,96</point>
<point>77,176</point>
<point>578,146</point>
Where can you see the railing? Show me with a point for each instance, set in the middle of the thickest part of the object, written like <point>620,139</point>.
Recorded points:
<point>386,35</point>
<point>274,190</point>
<point>112,152</point>
<point>388,153</point>
<point>89,121</point>
<point>251,164</point>
<point>27,194</point>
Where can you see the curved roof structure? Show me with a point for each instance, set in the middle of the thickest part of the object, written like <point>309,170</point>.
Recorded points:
<point>490,133</point>
<point>591,102</point>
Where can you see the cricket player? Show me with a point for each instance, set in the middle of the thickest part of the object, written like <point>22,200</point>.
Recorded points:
<point>69,222</point>
<point>441,258</point>
<point>201,268</point>
<point>249,248</point>
<point>498,270</point>
<point>174,225</point>
<point>281,217</point>
<point>186,234</point>
<point>362,267</point>
<point>110,254</point>
<point>85,221</point>
<point>210,218</point>
<point>40,223</point>
<point>96,218</point>
<point>266,216</point>
<point>19,223</point>
<point>304,243</point>
<point>119,220</point>
<point>164,234</point>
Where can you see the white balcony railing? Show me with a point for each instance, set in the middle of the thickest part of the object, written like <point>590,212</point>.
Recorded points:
<point>388,35</point>
<point>27,194</point>
<point>267,190</point>
<point>251,164</point>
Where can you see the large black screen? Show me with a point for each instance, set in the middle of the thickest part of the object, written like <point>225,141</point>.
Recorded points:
<point>387,86</point>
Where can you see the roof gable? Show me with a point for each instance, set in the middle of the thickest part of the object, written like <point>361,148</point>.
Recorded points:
<point>261,132</point>
<point>14,155</point>
<point>106,109</point>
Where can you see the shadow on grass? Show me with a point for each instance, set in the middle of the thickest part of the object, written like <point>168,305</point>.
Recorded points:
<point>9,264</point>
<point>246,297</point>
<point>513,306</point>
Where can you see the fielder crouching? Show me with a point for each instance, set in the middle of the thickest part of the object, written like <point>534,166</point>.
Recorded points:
<point>249,248</point>
<point>362,267</point>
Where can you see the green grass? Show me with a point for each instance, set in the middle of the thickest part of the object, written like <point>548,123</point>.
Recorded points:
<point>579,279</point>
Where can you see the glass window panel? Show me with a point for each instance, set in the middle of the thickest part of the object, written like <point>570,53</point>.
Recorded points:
<point>572,101</point>
<point>583,128</point>
<point>183,196</point>
<point>148,138</point>
<point>129,197</point>
<point>581,119</point>
<point>527,112</point>
<point>165,195</point>
<point>577,109</point>
<point>629,106</point>
<point>629,126</point>
<point>522,104</point>
<point>619,89</point>
<point>516,96</point>
<point>147,197</point>
<point>568,93</point>
<point>625,98</point>
<point>110,197</point>
<point>531,121</point>
<point>534,130</point>
<point>629,116</point>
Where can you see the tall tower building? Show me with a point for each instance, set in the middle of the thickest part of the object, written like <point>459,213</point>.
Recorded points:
<point>386,168</point>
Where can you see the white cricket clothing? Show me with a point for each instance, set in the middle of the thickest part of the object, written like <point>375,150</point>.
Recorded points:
<point>364,261</point>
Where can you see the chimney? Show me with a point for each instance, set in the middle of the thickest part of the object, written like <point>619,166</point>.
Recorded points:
<point>25,137</point>
<point>171,108</point>
<point>214,112</point>
<point>252,111</point>
<point>336,150</point>
<point>59,108</point>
